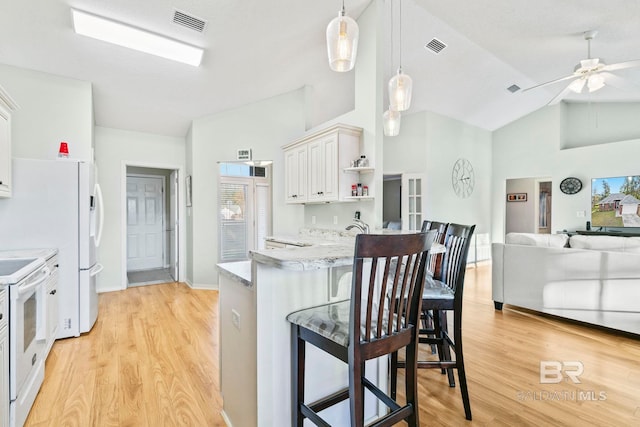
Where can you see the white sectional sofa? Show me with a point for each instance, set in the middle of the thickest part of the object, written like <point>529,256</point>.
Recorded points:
<point>593,279</point>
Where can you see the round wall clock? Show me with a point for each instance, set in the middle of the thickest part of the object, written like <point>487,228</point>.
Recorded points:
<point>462,178</point>
<point>570,185</point>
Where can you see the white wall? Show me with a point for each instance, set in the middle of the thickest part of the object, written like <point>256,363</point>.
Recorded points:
<point>429,143</point>
<point>531,147</point>
<point>51,109</point>
<point>521,216</point>
<point>264,127</point>
<point>115,149</point>
<point>595,123</point>
<point>367,115</point>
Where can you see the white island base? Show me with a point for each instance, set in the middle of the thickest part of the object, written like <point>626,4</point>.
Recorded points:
<point>255,338</point>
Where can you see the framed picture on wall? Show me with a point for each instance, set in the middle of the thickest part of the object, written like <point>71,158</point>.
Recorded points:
<point>188,191</point>
<point>516,197</point>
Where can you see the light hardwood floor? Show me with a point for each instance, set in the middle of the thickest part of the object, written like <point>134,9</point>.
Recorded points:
<point>151,360</point>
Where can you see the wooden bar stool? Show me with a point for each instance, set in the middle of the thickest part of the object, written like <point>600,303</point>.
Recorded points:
<point>443,293</point>
<point>376,321</point>
<point>433,268</point>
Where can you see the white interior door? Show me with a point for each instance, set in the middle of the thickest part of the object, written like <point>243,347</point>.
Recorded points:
<point>173,224</point>
<point>144,222</point>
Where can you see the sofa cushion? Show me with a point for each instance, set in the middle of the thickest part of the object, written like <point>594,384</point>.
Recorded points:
<point>531,239</point>
<point>606,243</point>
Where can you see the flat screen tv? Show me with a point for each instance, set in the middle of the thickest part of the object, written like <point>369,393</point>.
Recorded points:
<point>615,201</point>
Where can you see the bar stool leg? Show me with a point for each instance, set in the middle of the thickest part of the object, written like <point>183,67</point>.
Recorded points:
<point>297,376</point>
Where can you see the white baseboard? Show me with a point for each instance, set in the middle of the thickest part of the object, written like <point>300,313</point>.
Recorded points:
<point>109,289</point>
<point>226,419</point>
<point>203,286</point>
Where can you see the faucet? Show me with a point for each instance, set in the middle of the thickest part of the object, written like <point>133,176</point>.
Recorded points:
<point>360,225</point>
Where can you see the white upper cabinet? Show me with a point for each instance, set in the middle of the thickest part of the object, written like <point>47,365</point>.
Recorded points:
<point>314,165</point>
<point>7,105</point>
<point>295,169</point>
<point>323,169</point>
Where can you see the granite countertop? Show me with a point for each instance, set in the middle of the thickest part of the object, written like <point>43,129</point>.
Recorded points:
<point>239,271</point>
<point>318,248</point>
<point>306,257</point>
<point>315,237</point>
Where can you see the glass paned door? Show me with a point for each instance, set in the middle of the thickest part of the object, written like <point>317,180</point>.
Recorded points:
<point>412,201</point>
<point>234,224</point>
<point>244,215</point>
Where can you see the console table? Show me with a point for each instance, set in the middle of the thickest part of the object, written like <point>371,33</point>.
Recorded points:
<point>608,233</point>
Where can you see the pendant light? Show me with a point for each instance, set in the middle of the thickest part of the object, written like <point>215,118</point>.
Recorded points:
<point>391,118</point>
<point>400,85</point>
<point>342,42</point>
<point>391,122</point>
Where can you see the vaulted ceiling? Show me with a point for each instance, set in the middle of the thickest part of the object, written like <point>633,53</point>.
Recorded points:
<point>258,49</point>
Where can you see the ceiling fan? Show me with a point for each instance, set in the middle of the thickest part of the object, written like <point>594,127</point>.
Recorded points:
<point>590,74</point>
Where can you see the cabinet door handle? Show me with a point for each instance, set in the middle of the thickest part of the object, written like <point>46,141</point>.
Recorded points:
<point>0,182</point>
<point>1,316</point>
<point>53,292</point>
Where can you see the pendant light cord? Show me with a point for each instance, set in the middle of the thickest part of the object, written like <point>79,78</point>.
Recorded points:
<point>400,54</point>
<point>391,3</point>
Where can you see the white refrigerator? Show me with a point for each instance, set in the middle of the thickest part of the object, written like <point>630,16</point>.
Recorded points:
<point>58,204</point>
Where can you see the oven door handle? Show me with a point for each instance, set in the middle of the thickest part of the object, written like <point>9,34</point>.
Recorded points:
<point>26,289</point>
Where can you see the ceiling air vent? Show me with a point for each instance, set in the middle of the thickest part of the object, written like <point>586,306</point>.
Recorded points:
<point>189,21</point>
<point>513,88</point>
<point>435,45</point>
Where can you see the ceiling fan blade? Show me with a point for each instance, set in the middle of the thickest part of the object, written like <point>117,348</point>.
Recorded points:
<point>622,65</point>
<point>618,82</point>
<point>560,95</point>
<point>571,76</point>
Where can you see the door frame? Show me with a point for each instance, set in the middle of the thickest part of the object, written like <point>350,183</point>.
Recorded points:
<point>536,202</point>
<point>180,227</point>
<point>165,212</point>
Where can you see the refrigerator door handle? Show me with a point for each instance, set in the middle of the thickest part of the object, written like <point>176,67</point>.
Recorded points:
<point>95,270</point>
<point>98,192</point>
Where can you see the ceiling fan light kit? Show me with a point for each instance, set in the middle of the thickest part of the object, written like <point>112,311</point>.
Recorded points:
<point>342,42</point>
<point>590,74</point>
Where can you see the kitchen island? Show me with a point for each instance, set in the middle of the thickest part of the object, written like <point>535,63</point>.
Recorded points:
<point>255,337</point>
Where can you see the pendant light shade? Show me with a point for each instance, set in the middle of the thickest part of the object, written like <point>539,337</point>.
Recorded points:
<point>400,87</point>
<point>342,42</point>
<point>391,122</point>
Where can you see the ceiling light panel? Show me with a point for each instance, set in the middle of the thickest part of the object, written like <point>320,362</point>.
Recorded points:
<point>134,38</point>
